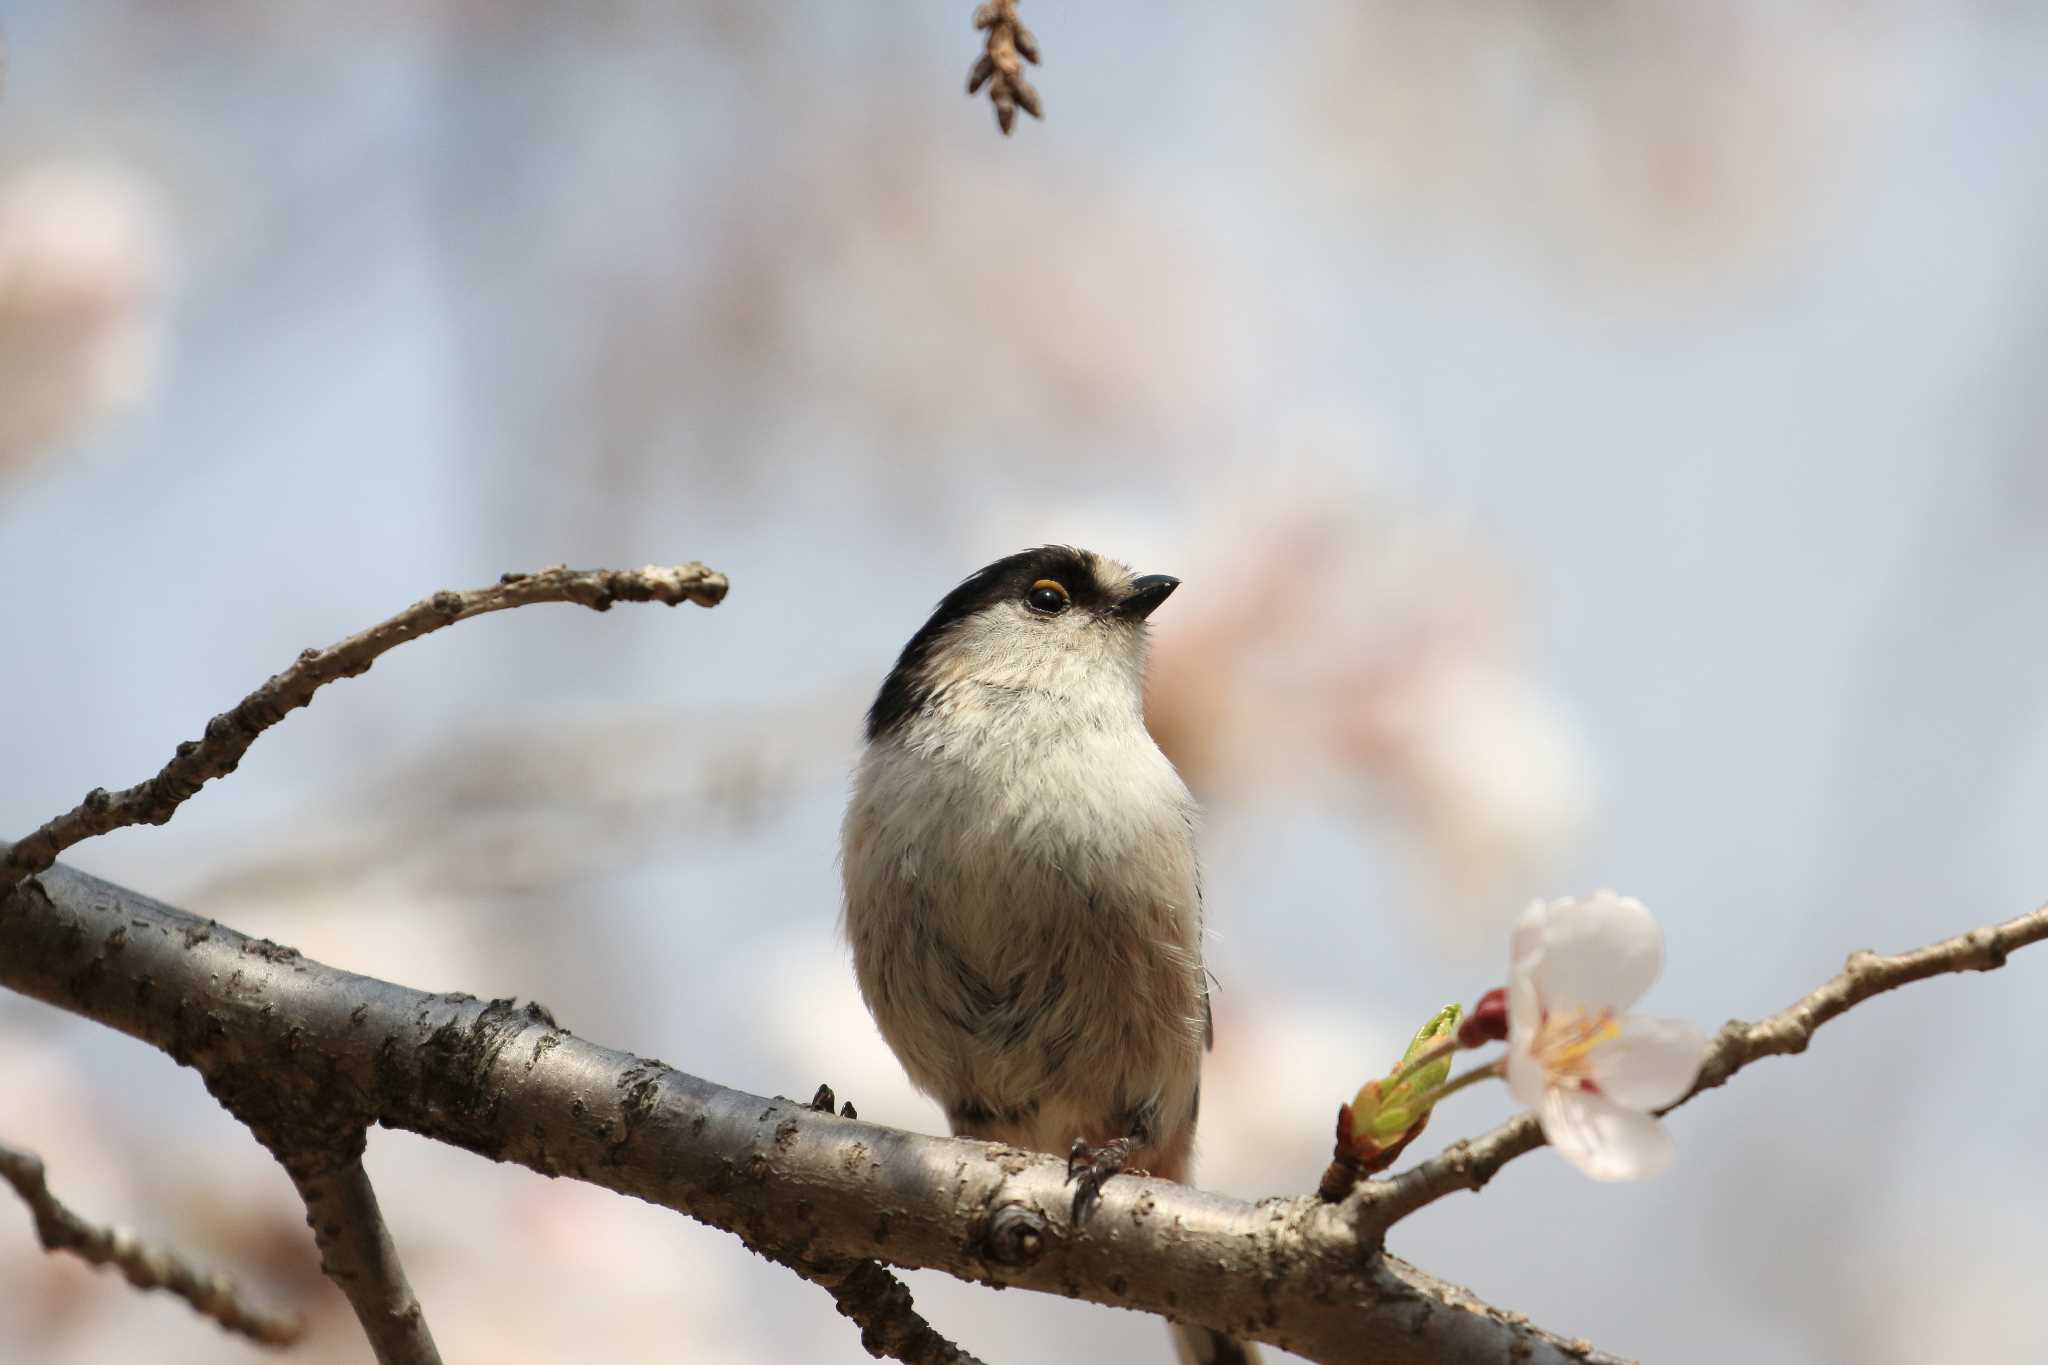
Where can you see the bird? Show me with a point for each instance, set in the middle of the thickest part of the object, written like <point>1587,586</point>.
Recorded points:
<point>1023,899</point>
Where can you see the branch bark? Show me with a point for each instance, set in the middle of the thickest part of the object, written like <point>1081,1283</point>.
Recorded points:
<point>141,1264</point>
<point>229,734</point>
<point>1469,1164</point>
<point>880,1305</point>
<point>306,1055</point>
<point>357,1253</point>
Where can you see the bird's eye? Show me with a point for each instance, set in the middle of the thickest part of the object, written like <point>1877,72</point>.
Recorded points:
<point>1047,596</point>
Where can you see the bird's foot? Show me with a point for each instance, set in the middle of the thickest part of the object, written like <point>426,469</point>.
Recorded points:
<point>1090,1167</point>
<point>822,1102</point>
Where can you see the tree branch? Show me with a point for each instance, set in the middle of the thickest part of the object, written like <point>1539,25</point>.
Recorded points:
<point>229,735</point>
<point>1470,1164</point>
<point>143,1265</point>
<point>306,1055</point>
<point>358,1254</point>
<point>880,1305</point>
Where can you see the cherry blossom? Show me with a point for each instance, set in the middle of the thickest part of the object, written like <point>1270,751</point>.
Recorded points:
<point>1590,1070</point>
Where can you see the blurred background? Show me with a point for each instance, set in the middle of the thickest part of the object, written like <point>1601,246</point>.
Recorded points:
<point>1602,443</point>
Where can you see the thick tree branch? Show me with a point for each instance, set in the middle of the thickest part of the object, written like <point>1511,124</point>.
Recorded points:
<point>229,735</point>
<point>306,1054</point>
<point>358,1254</point>
<point>143,1265</point>
<point>1470,1164</point>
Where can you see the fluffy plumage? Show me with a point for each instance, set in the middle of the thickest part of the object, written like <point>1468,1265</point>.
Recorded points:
<point>1022,895</point>
<point>1023,900</point>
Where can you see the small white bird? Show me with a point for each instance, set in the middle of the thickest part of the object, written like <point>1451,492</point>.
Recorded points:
<point>1022,894</point>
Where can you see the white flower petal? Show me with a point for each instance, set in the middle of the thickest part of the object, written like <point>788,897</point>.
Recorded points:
<point>1652,1063</point>
<point>1526,1076</point>
<point>1601,1138</point>
<point>1525,945</point>
<point>1525,1009</point>
<point>1601,951</point>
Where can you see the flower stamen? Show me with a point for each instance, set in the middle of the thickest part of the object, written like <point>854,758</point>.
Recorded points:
<point>1565,1040</point>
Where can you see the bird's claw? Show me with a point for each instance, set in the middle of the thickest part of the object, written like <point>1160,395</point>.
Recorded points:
<point>1089,1169</point>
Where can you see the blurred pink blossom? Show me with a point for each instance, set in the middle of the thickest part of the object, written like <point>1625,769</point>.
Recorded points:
<point>1366,635</point>
<point>81,274</point>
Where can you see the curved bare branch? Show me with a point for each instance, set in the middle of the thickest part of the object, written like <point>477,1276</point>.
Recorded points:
<point>229,734</point>
<point>1471,1163</point>
<point>142,1264</point>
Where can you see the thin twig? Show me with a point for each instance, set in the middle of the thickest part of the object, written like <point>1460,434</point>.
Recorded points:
<point>143,1265</point>
<point>1001,64</point>
<point>358,1254</point>
<point>229,735</point>
<point>880,1305</point>
<point>1469,1165</point>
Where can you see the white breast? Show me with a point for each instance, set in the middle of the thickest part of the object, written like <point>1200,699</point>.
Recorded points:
<point>1023,906</point>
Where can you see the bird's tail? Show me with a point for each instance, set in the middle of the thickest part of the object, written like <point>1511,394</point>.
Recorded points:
<point>1206,1346</point>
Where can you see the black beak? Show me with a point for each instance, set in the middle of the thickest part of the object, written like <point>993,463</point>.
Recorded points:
<point>1147,593</point>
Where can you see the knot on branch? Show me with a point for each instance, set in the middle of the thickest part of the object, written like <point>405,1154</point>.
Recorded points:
<point>1016,1236</point>
<point>1989,944</point>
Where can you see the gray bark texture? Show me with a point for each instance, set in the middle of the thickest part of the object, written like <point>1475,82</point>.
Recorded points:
<point>309,1057</point>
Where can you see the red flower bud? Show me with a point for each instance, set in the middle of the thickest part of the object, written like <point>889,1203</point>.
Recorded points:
<point>1487,1021</point>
